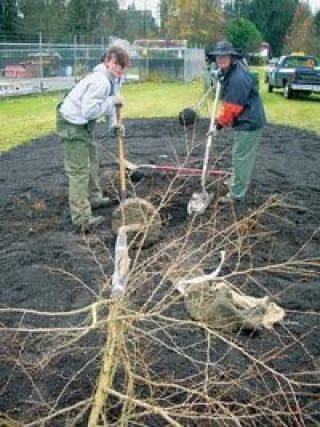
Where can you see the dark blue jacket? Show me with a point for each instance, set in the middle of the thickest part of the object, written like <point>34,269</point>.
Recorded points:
<point>241,103</point>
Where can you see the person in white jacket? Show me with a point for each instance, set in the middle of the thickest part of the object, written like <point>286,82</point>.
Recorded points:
<point>94,96</point>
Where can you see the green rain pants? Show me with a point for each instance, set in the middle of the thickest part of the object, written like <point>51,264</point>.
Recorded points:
<point>81,165</point>
<point>244,151</point>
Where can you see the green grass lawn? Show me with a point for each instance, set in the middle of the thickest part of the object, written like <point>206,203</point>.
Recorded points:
<point>25,118</point>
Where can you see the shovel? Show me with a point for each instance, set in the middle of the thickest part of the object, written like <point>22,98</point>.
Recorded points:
<point>181,170</point>
<point>139,215</point>
<point>122,168</point>
<point>201,200</point>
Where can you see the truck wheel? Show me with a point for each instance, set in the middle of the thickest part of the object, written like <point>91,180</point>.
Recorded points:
<point>270,88</point>
<point>287,91</point>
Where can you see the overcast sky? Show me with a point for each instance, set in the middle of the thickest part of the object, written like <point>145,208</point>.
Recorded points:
<point>315,4</point>
<point>152,4</point>
<point>141,4</point>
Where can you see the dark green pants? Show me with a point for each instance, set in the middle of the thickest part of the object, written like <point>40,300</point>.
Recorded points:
<point>244,151</point>
<point>81,165</point>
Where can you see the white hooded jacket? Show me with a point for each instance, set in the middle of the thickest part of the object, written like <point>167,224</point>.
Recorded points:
<point>91,98</point>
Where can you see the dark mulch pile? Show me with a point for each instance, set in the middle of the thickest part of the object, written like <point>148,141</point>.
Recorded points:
<point>37,242</point>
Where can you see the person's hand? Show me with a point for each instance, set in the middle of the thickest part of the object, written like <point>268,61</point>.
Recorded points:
<point>216,128</point>
<point>116,130</point>
<point>217,74</point>
<point>117,101</point>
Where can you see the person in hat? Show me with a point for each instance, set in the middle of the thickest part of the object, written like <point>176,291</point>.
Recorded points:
<point>94,96</point>
<point>241,109</point>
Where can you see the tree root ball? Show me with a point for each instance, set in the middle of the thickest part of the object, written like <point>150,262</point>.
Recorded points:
<point>138,211</point>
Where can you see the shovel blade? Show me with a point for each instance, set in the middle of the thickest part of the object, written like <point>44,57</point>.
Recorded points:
<point>199,203</point>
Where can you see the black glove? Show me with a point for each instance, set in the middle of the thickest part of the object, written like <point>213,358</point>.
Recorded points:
<point>217,74</point>
<point>218,125</point>
<point>115,130</point>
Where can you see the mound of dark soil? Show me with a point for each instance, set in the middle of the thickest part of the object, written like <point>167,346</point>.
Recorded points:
<point>38,247</point>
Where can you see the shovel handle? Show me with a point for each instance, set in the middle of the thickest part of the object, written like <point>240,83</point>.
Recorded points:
<point>118,115</point>
<point>122,165</point>
<point>212,132</point>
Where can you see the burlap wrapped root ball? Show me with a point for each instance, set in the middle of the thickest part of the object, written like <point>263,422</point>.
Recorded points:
<point>138,211</point>
<point>188,117</point>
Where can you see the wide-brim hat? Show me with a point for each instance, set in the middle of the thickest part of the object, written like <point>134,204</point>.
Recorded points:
<point>224,48</point>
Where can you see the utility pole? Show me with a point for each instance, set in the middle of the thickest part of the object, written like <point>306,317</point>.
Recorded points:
<point>40,61</point>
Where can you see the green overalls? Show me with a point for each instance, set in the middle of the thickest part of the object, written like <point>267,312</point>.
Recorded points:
<point>240,91</point>
<point>82,165</point>
<point>244,153</point>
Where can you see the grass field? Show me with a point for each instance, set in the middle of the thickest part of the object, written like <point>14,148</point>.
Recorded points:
<point>26,118</point>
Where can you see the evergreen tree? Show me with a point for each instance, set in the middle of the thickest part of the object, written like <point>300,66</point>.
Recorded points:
<point>316,24</point>
<point>272,18</point>
<point>243,34</point>
<point>8,17</point>
<point>236,7</point>
<point>93,19</point>
<point>47,17</point>
<point>164,15</point>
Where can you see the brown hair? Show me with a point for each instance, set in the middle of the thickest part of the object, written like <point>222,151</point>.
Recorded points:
<point>120,55</point>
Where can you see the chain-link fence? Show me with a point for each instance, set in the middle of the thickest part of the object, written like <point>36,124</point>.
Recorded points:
<point>30,67</point>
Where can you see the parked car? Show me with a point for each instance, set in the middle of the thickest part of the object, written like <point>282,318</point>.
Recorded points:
<point>46,63</point>
<point>295,74</point>
<point>15,72</point>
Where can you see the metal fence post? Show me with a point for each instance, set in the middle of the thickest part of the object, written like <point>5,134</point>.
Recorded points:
<point>185,75</point>
<point>41,62</point>
<point>74,55</point>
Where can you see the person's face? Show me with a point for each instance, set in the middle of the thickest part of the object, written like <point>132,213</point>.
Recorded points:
<point>115,69</point>
<point>223,62</point>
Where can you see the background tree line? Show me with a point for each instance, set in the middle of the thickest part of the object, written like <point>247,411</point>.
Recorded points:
<point>61,20</point>
<point>287,24</point>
